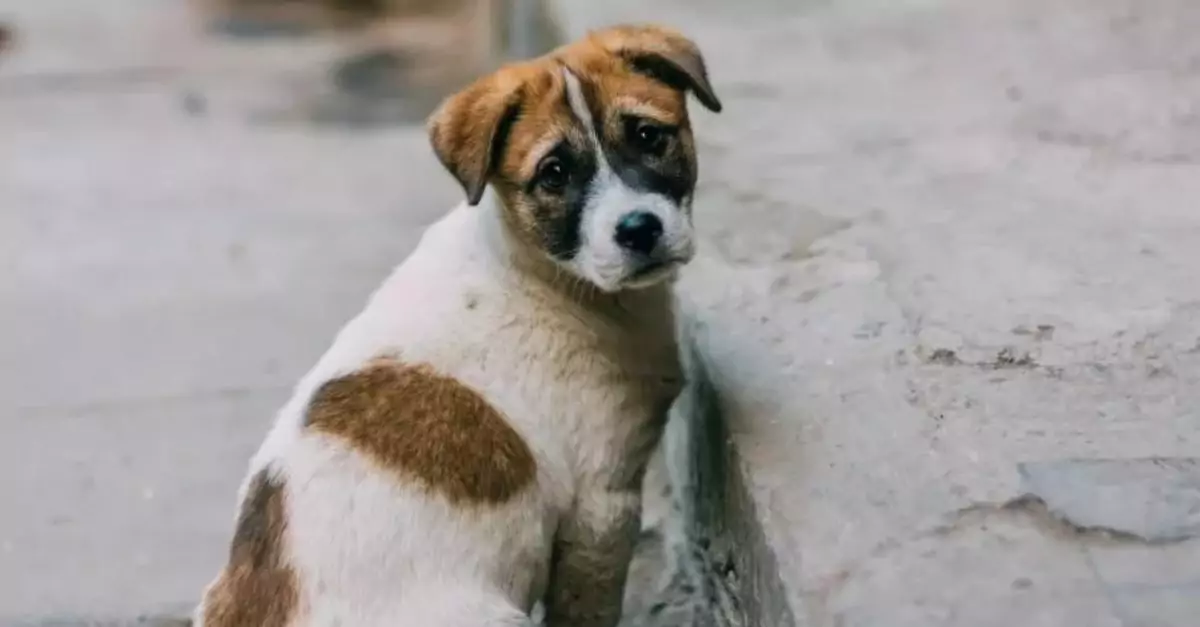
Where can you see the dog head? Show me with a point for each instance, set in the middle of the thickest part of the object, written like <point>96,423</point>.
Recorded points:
<point>589,149</point>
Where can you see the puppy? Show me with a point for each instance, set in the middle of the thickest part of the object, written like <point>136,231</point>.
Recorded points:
<point>474,440</point>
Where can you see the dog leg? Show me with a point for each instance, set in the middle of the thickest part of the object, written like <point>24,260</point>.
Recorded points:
<point>592,551</point>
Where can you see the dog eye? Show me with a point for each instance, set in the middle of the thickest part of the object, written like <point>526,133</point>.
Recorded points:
<point>647,137</point>
<point>552,175</point>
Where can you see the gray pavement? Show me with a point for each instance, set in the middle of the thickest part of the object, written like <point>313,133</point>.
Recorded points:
<point>173,255</point>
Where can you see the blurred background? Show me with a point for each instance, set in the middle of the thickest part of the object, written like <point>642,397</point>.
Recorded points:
<point>943,239</point>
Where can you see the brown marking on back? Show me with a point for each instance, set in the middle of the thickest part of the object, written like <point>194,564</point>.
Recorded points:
<point>426,427</point>
<point>257,587</point>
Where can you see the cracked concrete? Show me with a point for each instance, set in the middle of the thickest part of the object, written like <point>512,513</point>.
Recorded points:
<point>1156,501</point>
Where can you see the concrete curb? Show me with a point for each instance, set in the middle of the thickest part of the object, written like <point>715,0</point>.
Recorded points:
<point>736,567</point>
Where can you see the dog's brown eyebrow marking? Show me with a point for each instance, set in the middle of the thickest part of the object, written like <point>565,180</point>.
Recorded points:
<point>257,586</point>
<point>425,426</point>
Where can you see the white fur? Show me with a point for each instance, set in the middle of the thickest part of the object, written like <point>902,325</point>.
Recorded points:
<point>600,259</point>
<point>582,377</point>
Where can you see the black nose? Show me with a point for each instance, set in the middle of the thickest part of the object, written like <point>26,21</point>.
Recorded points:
<point>639,231</point>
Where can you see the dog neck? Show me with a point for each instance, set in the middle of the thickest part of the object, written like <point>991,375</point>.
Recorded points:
<point>512,252</point>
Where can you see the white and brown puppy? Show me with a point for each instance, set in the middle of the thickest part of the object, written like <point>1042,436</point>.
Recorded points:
<point>474,441</point>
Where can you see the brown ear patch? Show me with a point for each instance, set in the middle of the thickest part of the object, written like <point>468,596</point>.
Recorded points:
<point>428,427</point>
<point>469,130</point>
<point>662,53</point>
<point>257,586</point>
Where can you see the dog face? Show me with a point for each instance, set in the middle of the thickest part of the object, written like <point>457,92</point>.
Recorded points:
<point>590,150</point>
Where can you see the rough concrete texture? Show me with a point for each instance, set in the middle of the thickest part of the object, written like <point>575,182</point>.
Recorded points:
<point>185,221</point>
<point>948,307</point>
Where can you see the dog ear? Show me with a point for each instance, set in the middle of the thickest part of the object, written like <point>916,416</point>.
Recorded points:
<point>663,54</point>
<point>469,129</point>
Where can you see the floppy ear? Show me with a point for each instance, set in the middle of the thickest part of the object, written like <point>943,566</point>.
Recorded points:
<point>469,129</point>
<point>664,54</point>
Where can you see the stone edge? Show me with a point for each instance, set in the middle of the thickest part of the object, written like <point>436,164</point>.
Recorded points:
<point>737,567</point>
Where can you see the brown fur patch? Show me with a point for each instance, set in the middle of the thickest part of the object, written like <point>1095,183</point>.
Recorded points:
<point>471,129</point>
<point>659,52</point>
<point>616,80</point>
<point>428,427</point>
<point>257,586</point>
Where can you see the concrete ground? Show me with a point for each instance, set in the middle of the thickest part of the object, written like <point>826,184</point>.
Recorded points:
<point>173,255</point>
<point>948,278</point>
